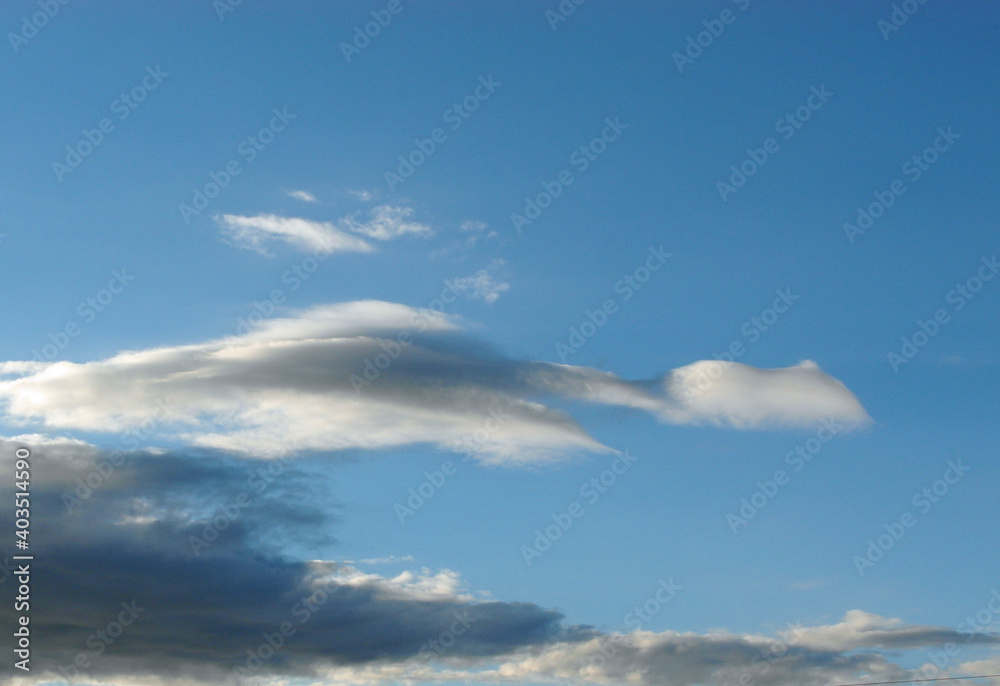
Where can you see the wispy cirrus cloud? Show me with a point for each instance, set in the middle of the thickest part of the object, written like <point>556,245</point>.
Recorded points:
<point>808,584</point>
<point>474,231</point>
<point>304,196</point>
<point>363,195</point>
<point>391,559</point>
<point>319,237</point>
<point>336,377</point>
<point>385,222</point>
<point>483,285</point>
<point>382,223</point>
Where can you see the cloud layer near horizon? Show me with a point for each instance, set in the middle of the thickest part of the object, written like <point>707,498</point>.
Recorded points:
<point>204,608</point>
<point>372,374</point>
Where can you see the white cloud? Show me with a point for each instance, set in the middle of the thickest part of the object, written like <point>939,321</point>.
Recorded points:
<point>61,448</point>
<point>319,237</point>
<point>482,285</point>
<point>424,585</point>
<point>363,195</point>
<point>334,377</point>
<point>859,629</point>
<point>386,560</point>
<point>988,666</point>
<point>304,196</point>
<point>647,658</point>
<point>744,397</point>
<point>376,628</point>
<point>386,222</point>
<point>475,230</point>
<point>383,223</point>
<point>19,368</point>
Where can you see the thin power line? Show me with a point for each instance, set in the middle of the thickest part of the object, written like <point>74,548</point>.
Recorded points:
<point>917,681</point>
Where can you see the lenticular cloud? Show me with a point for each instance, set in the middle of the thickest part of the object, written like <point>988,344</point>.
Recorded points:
<point>745,397</point>
<point>372,374</point>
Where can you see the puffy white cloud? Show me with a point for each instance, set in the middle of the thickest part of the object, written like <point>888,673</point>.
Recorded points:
<point>320,237</point>
<point>424,584</point>
<point>337,377</point>
<point>722,392</point>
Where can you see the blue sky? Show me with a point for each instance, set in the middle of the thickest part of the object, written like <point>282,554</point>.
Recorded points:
<point>868,106</point>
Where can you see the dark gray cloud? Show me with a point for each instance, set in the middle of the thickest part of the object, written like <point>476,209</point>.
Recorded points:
<point>204,606</point>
